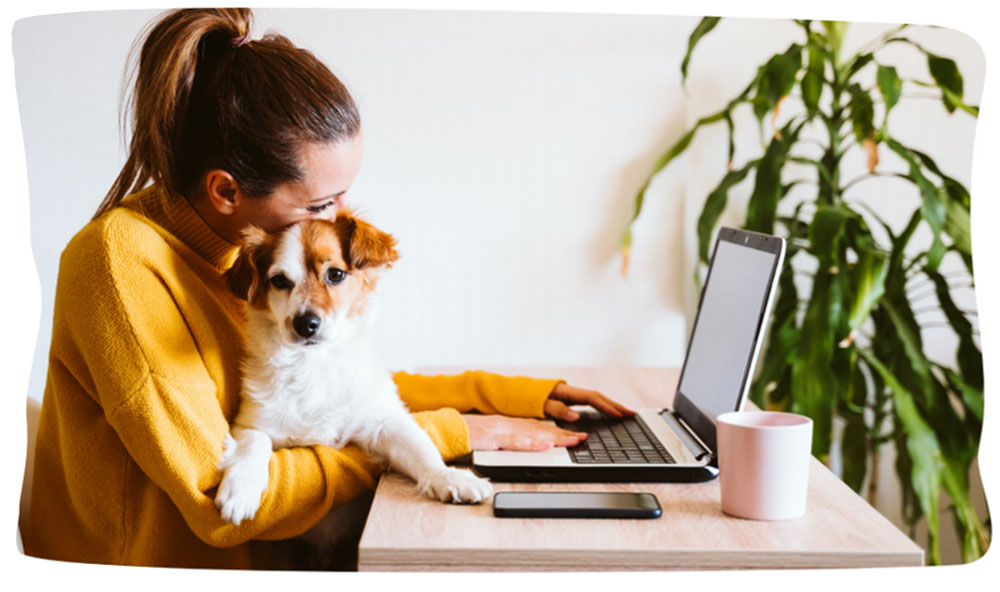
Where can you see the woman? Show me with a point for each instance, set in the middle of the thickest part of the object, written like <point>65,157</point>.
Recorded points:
<point>144,364</point>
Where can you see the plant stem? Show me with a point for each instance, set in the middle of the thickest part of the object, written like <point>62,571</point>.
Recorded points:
<point>829,190</point>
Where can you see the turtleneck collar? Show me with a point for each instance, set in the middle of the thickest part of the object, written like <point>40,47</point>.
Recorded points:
<point>180,219</point>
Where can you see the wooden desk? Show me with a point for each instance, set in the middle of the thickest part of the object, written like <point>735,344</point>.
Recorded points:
<point>406,532</point>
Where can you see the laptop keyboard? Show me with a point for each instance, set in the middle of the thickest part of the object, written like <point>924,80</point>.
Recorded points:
<point>626,440</point>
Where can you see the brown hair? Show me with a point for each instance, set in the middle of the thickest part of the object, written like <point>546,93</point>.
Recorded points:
<point>205,97</point>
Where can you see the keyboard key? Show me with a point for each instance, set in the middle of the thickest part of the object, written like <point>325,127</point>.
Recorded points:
<point>620,441</point>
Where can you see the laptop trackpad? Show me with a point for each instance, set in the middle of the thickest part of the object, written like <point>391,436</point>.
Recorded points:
<point>546,458</point>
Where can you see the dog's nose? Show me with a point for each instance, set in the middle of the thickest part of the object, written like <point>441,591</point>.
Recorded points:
<point>306,324</point>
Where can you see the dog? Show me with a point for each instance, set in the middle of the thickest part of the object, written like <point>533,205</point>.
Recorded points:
<point>310,374</point>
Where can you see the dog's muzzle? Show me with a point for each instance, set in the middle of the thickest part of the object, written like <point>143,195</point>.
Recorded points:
<point>306,325</point>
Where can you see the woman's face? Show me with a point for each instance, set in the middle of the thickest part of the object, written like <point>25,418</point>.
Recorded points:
<point>330,169</point>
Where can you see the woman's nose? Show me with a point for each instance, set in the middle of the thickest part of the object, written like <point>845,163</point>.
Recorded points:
<point>342,204</point>
<point>331,212</point>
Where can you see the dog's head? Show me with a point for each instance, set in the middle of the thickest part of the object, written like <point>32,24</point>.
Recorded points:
<point>312,276</point>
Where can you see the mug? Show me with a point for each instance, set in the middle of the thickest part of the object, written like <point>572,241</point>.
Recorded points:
<point>764,463</point>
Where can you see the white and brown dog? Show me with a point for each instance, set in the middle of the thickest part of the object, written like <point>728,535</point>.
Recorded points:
<point>311,375</point>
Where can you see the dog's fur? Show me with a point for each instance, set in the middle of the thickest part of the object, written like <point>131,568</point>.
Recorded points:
<point>326,387</point>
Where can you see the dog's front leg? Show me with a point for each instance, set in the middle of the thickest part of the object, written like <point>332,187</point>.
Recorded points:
<point>410,450</point>
<point>246,458</point>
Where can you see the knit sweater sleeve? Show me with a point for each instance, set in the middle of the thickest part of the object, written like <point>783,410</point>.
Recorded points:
<point>146,372</point>
<point>476,391</point>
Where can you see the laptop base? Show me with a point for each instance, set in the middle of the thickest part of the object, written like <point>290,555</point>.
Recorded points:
<point>585,474</point>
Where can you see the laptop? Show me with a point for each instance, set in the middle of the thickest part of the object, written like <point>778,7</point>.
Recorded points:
<point>676,444</point>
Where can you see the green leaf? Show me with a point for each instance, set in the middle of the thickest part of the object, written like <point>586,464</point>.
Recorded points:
<point>948,96</point>
<point>957,223</point>
<point>783,336</point>
<point>972,397</point>
<point>900,242</point>
<point>812,80</point>
<point>854,439</point>
<point>936,253</point>
<point>953,188</point>
<point>731,148</point>
<point>923,449</point>
<point>665,159</point>
<point>825,233</point>
<point>948,78</point>
<point>776,78</point>
<point>868,285</point>
<point>903,324</point>
<point>767,191</point>
<point>715,203</point>
<point>859,62</point>
<point>672,153</point>
<point>890,86</point>
<point>970,359</point>
<point>975,538</point>
<point>814,383</point>
<point>862,113</point>
<point>704,26</point>
<point>932,208</point>
<point>854,450</point>
<point>835,33</point>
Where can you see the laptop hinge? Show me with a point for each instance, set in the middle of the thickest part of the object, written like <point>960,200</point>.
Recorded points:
<point>686,434</point>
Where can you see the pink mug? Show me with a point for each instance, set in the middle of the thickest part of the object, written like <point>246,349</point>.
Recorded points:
<point>764,463</point>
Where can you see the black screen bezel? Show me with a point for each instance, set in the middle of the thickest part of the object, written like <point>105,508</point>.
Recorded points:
<point>702,424</point>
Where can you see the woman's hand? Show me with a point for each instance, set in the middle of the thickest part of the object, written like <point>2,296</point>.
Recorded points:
<point>499,432</point>
<point>556,405</point>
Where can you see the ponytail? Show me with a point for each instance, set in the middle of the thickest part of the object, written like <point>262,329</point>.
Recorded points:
<point>206,97</point>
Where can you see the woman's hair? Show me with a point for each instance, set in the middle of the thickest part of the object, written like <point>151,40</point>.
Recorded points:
<point>206,97</point>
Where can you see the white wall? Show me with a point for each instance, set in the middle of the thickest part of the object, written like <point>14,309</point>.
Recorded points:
<point>503,151</point>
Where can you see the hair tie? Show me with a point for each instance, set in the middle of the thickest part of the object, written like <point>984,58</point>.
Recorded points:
<point>241,40</point>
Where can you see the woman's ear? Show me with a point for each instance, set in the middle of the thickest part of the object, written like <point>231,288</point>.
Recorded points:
<point>222,191</point>
<point>367,246</point>
<point>245,278</point>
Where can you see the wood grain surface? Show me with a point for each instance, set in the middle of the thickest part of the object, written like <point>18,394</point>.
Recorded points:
<point>406,532</point>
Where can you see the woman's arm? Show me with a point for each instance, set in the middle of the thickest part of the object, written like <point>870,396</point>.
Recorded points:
<point>476,391</point>
<point>129,346</point>
<point>500,396</point>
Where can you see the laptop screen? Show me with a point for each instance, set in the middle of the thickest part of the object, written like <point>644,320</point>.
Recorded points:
<point>731,318</point>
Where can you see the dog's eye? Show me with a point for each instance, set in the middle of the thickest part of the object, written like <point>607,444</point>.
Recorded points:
<point>281,282</point>
<point>335,276</point>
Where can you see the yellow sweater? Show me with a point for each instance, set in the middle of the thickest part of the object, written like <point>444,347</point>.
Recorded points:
<point>143,381</point>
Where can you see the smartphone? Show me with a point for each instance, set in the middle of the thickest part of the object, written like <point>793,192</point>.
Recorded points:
<point>575,504</point>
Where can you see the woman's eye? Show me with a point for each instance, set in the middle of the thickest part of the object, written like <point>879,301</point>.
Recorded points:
<point>335,276</point>
<point>281,282</point>
<point>320,208</point>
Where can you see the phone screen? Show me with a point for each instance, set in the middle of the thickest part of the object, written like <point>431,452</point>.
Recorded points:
<point>576,504</point>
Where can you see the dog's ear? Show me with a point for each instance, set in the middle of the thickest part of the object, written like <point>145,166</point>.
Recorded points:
<point>245,277</point>
<point>363,244</point>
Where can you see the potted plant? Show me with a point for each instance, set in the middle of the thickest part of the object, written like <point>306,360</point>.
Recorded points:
<point>848,343</point>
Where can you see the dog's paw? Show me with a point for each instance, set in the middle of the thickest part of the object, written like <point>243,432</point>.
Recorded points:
<point>243,484</point>
<point>457,486</point>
